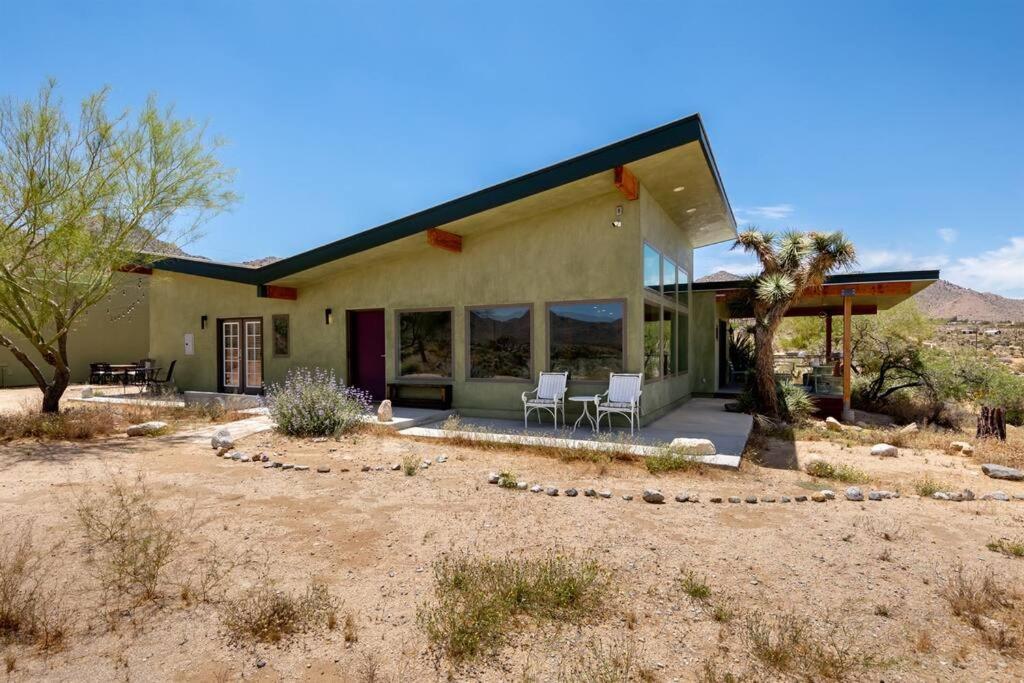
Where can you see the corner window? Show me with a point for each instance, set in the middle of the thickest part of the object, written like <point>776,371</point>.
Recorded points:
<point>587,339</point>
<point>499,342</point>
<point>653,363</point>
<point>425,344</point>
<point>682,287</point>
<point>652,269</point>
<point>669,351</point>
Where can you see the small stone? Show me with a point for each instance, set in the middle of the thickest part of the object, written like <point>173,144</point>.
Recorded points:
<point>855,494</point>
<point>86,392</point>
<point>492,478</point>
<point>323,469</point>
<point>751,500</point>
<point>146,428</point>
<point>442,458</point>
<point>278,465</point>
<point>572,493</point>
<point>627,497</point>
<point>829,494</point>
<point>301,468</point>
<point>425,464</point>
<point>551,490</point>
<point>521,485</point>
<point>909,429</point>
<point>968,450</point>
<point>940,495</point>
<point>1018,496</point>
<point>653,496</point>
<point>1002,472</point>
<point>366,468</point>
<point>884,450</point>
<point>395,466</point>
<point>605,494</point>
<point>685,446</point>
<point>800,499</point>
<point>767,499</point>
<point>264,457</point>
<point>734,499</point>
<point>959,446</point>
<point>536,488</point>
<point>385,412</point>
<point>694,498</point>
<point>590,493</point>
<point>287,466</point>
<point>833,425</point>
<point>268,465</point>
<point>222,439</point>
<point>715,499</point>
<point>996,495</point>
<point>682,497</point>
<point>245,458</point>
<point>874,495</point>
<point>818,497</point>
<point>260,663</point>
<point>237,455</point>
<point>784,499</point>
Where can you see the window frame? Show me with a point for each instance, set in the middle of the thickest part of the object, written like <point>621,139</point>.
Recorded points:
<point>397,341</point>
<point>468,371</point>
<point>570,302</point>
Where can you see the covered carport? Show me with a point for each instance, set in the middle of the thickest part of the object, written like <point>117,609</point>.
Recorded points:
<point>840,296</point>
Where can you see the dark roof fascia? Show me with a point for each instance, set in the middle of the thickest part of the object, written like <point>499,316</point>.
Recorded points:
<point>674,134</point>
<point>841,279</point>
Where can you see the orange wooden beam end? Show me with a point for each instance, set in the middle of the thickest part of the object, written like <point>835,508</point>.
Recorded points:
<point>442,239</point>
<point>138,270</point>
<point>277,292</point>
<point>627,183</point>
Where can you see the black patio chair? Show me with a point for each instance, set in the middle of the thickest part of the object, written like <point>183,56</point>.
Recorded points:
<point>99,373</point>
<point>168,378</point>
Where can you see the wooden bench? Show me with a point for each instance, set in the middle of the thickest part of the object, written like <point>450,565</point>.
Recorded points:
<point>420,395</point>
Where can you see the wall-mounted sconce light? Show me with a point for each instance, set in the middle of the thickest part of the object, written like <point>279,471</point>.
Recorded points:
<point>202,322</point>
<point>617,223</point>
<point>328,316</point>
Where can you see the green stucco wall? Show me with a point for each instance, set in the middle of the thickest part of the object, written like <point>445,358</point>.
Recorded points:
<point>568,254</point>
<point>105,333</point>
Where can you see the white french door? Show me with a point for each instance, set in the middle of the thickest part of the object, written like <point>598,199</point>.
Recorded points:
<point>241,355</point>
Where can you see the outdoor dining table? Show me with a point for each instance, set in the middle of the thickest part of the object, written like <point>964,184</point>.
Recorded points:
<point>122,371</point>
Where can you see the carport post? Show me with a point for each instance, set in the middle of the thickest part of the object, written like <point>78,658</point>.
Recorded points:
<point>847,353</point>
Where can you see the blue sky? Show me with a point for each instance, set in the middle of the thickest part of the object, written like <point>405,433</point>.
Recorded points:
<point>900,123</point>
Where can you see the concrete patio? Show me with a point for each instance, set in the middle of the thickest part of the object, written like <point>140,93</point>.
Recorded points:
<point>699,418</point>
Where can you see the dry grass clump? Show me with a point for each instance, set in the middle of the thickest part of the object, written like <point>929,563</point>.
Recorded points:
<point>507,479</point>
<point>31,612</point>
<point>479,601</point>
<point>669,460</point>
<point>268,614</point>
<point>410,465</point>
<point>605,661</point>
<point>926,486</point>
<point>788,645</point>
<point>1007,546</point>
<point>130,542</point>
<point>694,586</point>
<point>841,472</point>
<point>72,424</point>
<point>979,599</point>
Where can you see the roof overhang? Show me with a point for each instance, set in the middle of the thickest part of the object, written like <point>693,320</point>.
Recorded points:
<point>869,292</point>
<point>675,155</point>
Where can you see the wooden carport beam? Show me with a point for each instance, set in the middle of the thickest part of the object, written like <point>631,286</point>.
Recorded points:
<point>443,239</point>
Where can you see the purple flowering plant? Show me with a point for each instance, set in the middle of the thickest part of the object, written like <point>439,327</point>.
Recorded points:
<point>316,402</point>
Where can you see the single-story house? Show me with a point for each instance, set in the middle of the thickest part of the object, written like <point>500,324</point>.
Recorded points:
<point>583,266</point>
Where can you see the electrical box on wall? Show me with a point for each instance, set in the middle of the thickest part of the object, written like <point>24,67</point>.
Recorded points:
<point>190,344</point>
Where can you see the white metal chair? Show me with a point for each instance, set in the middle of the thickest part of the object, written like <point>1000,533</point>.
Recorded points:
<point>548,395</point>
<point>622,398</point>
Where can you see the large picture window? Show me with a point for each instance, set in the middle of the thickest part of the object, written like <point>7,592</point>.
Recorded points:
<point>499,342</point>
<point>653,363</point>
<point>586,339</point>
<point>652,269</point>
<point>425,344</point>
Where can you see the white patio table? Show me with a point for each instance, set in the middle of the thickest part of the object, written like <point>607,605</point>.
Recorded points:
<point>586,401</point>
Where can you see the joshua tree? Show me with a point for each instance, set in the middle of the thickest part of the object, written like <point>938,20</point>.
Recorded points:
<point>790,263</point>
<point>80,200</point>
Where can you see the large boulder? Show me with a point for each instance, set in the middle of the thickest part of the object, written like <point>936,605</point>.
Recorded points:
<point>222,439</point>
<point>686,446</point>
<point>146,428</point>
<point>1002,472</point>
<point>87,392</point>
<point>961,447</point>
<point>833,425</point>
<point>884,450</point>
<point>385,412</point>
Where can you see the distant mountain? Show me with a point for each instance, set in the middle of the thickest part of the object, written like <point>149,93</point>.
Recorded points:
<point>720,276</point>
<point>947,301</point>
<point>260,262</point>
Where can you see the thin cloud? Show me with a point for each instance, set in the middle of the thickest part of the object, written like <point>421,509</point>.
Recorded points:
<point>886,259</point>
<point>947,235</point>
<point>997,270</point>
<point>772,212</point>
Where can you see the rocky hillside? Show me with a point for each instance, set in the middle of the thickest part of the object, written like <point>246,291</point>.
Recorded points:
<point>946,300</point>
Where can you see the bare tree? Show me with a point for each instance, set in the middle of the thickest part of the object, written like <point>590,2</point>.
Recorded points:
<point>83,199</point>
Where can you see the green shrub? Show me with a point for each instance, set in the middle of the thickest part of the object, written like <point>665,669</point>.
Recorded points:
<point>478,601</point>
<point>843,473</point>
<point>926,486</point>
<point>410,465</point>
<point>1010,548</point>
<point>694,586</point>
<point>507,479</point>
<point>314,402</point>
<point>668,460</point>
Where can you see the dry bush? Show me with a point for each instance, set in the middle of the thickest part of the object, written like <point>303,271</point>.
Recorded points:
<point>787,644</point>
<point>130,542</point>
<point>1007,546</point>
<point>268,614</point>
<point>31,610</point>
<point>926,486</point>
<point>979,599</point>
<point>478,601</point>
<point>350,631</point>
<point>842,472</point>
<point>669,460</point>
<point>891,530</point>
<point>600,661</point>
<point>71,424</point>
<point>410,465</point>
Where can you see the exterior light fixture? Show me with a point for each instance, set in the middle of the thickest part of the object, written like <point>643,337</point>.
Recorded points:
<point>678,188</point>
<point>202,322</point>
<point>328,316</point>
<point>617,223</point>
<point>690,210</point>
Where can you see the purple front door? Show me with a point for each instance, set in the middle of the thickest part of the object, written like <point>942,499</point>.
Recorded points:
<point>366,351</point>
